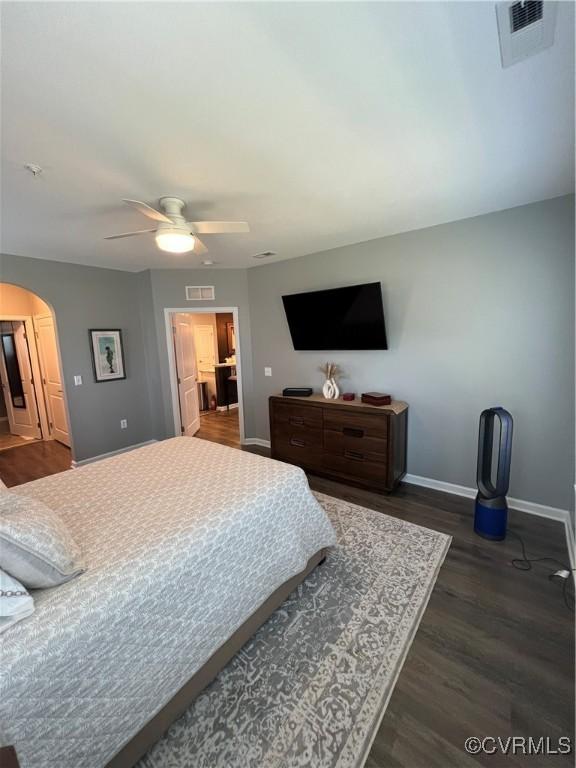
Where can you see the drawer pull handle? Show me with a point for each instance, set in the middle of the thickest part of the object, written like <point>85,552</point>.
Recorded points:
<point>297,420</point>
<point>354,455</point>
<point>351,432</point>
<point>297,443</point>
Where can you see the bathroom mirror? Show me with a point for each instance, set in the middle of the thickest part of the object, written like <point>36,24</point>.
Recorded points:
<point>231,339</point>
<point>13,371</point>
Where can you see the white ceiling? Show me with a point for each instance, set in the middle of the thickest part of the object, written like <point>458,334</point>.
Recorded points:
<point>322,124</point>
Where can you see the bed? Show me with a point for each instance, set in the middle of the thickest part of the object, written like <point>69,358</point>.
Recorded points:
<point>189,546</point>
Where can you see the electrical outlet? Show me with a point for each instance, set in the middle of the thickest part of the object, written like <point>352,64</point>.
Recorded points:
<point>267,371</point>
<point>123,424</point>
<point>77,381</point>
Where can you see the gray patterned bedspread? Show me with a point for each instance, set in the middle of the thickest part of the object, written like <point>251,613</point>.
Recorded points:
<point>183,540</point>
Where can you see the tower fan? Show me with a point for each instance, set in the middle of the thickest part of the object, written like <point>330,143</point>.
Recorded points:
<point>491,512</point>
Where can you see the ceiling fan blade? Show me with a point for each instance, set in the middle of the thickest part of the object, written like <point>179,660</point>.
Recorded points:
<point>218,227</point>
<point>199,246</point>
<point>147,210</point>
<point>129,234</point>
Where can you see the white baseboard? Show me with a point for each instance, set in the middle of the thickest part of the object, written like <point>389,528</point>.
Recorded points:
<point>75,464</point>
<point>256,441</point>
<point>470,493</point>
<point>571,543</point>
<point>227,407</point>
<point>440,485</point>
<point>541,510</point>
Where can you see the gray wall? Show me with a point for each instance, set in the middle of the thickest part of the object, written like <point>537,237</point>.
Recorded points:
<point>83,298</point>
<point>479,312</point>
<point>168,288</point>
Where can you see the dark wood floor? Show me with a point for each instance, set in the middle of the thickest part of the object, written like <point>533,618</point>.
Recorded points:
<point>33,461</point>
<point>220,427</point>
<point>494,654</point>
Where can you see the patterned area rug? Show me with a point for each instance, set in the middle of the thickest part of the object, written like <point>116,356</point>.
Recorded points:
<point>311,687</point>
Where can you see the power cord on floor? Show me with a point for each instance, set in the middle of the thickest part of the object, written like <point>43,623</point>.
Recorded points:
<point>524,563</point>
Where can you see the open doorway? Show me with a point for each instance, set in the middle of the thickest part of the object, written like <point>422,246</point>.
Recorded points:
<point>205,374</point>
<point>32,397</point>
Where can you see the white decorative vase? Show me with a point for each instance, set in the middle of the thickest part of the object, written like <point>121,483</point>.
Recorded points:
<point>336,393</point>
<point>330,390</point>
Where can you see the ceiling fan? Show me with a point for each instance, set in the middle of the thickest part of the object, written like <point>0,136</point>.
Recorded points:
<point>173,233</point>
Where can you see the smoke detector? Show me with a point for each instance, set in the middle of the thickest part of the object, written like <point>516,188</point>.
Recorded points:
<point>34,169</point>
<point>525,27</point>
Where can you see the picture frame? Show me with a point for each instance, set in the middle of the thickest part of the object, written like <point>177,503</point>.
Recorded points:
<point>107,354</point>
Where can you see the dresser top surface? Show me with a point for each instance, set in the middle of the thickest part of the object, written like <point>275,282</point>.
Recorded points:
<point>396,406</point>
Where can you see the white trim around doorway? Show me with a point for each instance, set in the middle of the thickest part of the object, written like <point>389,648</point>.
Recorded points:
<point>168,311</point>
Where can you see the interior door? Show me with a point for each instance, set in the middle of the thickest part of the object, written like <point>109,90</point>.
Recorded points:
<point>204,345</point>
<point>183,330</point>
<point>17,382</point>
<point>52,378</point>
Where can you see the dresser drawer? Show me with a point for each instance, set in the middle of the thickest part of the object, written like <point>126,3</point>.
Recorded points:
<point>305,449</point>
<point>299,416</point>
<point>354,464</point>
<point>370,448</point>
<point>356,424</point>
<point>297,435</point>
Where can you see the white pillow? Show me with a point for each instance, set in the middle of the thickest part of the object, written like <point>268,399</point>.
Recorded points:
<point>35,544</point>
<point>15,602</point>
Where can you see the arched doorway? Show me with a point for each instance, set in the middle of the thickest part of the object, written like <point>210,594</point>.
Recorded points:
<point>32,398</point>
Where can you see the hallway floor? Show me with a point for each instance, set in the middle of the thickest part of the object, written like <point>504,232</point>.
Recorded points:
<point>8,440</point>
<point>220,427</point>
<point>36,459</point>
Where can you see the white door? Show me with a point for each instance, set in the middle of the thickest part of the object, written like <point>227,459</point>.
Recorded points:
<point>52,378</point>
<point>15,369</point>
<point>187,374</point>
<point>204,342</point>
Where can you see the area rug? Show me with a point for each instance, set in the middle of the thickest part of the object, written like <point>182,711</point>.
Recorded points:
<point>311,687</point>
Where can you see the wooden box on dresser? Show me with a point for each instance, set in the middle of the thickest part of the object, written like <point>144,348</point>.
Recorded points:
<point>348,441</point>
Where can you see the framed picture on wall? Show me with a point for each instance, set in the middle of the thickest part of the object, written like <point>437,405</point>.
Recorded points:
<point>107,355</point>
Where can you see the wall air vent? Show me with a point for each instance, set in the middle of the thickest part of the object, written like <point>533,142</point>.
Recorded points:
<point>200,293</point>
<point>524,14</point>
<point>525,28</point>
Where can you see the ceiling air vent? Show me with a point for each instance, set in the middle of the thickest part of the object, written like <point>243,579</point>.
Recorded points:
<point>264,254</point>
<point>200,293</point>
<point>525,28</point>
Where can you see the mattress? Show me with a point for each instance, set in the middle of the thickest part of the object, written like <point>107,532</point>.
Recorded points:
<point>183,540</point>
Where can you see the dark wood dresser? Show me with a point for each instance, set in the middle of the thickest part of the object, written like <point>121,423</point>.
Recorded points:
<point>345,440</point>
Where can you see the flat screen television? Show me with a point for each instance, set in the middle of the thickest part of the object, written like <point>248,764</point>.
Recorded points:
<point>339,318</point>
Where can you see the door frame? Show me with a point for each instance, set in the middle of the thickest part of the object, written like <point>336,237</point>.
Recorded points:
<point>35,319</point>
<point>36,373</point>
<point>168,312</point>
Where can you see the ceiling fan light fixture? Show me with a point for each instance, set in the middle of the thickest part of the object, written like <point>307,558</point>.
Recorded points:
<point>174,241</point>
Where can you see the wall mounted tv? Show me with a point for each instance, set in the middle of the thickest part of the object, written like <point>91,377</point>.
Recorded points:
<point>339,318</point>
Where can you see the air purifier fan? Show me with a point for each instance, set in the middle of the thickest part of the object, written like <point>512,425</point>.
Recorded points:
<point>491,511</point>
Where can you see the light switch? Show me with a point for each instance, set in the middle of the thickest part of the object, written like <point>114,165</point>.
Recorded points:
<point>267,371</point>
<point>123,424</point>
<point>77,381</point>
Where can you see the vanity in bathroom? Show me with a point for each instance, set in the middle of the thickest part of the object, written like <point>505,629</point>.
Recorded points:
<point>226,385</point>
